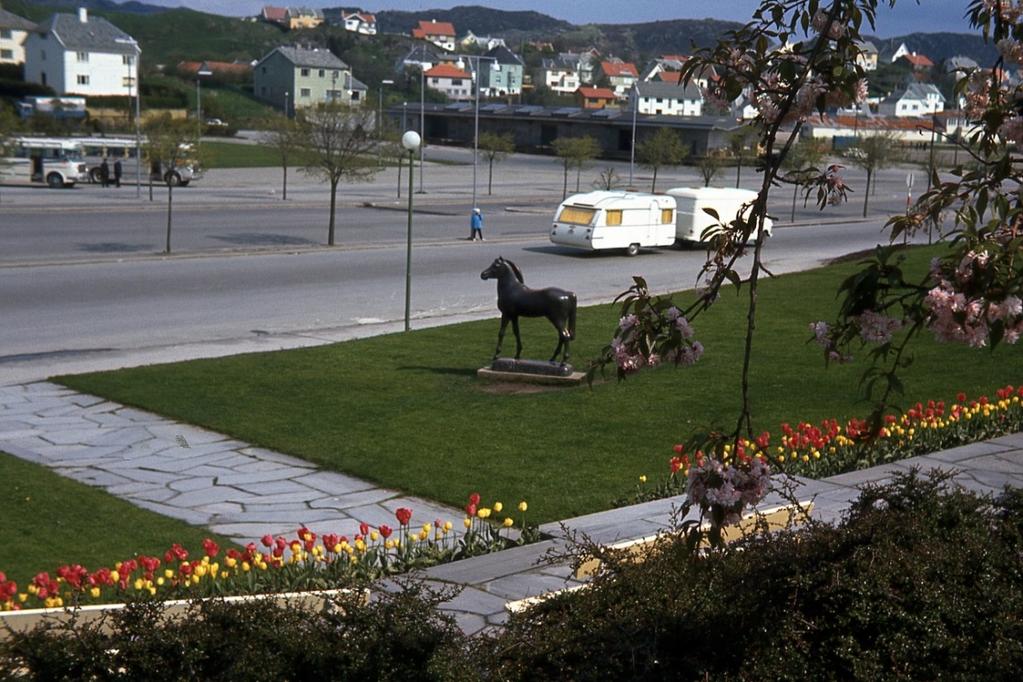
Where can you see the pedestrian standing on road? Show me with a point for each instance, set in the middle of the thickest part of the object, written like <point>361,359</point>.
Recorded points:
<point>117,172</point>
<point>476,225</point>
<point>104,173</point>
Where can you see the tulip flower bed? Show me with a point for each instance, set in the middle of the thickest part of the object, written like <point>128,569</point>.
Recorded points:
<point>304,562</point>
<point>829,447</point>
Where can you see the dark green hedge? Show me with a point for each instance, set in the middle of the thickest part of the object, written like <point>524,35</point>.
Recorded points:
<point>912,585</point>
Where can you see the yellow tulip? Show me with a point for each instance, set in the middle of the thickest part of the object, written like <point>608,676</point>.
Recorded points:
<point>94,592</point>
<point>115,576</point>
<point>508,522</point>
<point>200,570</point>
<point>447,526</point>
<point>246,567</point>
<point>138,584</point>
<point>230,561</point>
<point>483,512</point>
<point>523,506</point>
<point>642,479</point>
<point>167,573</point>
<point>498,507</point>
<point>467,522</point>
<point>152,591</point>
<point>374,536</point>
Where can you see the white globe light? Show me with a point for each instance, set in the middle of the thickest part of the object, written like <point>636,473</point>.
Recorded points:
<point>410,140</point>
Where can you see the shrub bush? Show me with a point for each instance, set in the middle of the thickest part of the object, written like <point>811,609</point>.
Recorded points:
<point>917,582</point>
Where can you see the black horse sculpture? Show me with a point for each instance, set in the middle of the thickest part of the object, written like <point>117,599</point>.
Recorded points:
<point>514,299</point>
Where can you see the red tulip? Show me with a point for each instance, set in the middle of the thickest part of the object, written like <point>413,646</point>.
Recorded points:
<point>385,531</point>
<point>211,548</point>
<point>404,515</point>
<point>470,510</point>
<point>267,540</point>
<point>474,498</point>
<point>364,528</point>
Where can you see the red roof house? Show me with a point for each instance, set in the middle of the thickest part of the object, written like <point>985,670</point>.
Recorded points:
<point>594,98</point>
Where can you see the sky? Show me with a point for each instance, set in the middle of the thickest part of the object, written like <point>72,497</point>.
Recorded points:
<point>907,17</point>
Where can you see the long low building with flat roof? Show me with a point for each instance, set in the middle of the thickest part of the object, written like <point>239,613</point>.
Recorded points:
<point>534,128</point>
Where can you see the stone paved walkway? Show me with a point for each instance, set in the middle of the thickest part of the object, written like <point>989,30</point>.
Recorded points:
<point>188,473</point>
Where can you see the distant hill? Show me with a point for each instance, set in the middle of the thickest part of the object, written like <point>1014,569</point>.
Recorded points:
<point>679,36</point>
<point>40,9</point>
<point>481,20</point>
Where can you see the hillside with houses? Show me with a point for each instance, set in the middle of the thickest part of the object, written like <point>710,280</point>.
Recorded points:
<point>512,65</point>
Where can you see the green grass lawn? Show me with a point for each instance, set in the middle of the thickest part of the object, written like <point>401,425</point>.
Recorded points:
<point>406,410</point>
<point>234,155</point>
<point>50,520</point>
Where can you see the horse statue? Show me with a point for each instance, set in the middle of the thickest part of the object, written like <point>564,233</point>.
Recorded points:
<point>515,299</point>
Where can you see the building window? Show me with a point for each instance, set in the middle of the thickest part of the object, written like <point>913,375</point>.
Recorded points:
<point>83,57</point>
<point>6,34</point>
<point>322,73</point>
<point>126,81</point>
<point>333,95</point>
<point>83,80</point>
<point>305,72</point>
<point>304,92</point>
<point>127,59</point>
<point>6,54</point>
<point>456,81</point>
<point>42,55</point>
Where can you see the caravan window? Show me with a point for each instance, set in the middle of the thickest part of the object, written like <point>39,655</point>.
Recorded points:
<point>577,215</point>
<point>666,216</point>
<point>614,216</point>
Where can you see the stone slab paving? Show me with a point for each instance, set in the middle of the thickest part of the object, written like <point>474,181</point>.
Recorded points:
<point>491,581</point>
<point>188,473</point>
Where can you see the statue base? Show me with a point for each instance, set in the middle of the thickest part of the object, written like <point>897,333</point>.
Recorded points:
<point>531,372</point>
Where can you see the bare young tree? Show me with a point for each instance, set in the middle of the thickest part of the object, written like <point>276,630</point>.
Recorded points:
<point>709,166</point>
<point>664,148</point>
<point>281,137</point>
<point>607,180</point>
<point>873,153</point>
<point>495,148</point>
<point>170,144</point>
<point>801,163</point>
<point>574,152</point>
<point>738,143</point>
<point>337,143</point>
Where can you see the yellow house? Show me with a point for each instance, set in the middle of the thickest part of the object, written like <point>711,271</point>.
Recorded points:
<point>303,17</point>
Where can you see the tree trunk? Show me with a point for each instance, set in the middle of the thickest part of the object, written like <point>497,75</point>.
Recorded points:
<point>284,193</point>
<point>490,178</point>
<point>738,171</point>
<point>866,194</point>
<point>795,195</point>
<point>578,173</point>
<point>564,187</point>
<point>653,185</point>
<point>170,204</point>
<point>333,205</point>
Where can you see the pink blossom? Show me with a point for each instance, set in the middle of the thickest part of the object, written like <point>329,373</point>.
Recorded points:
<point>877,328</point>
<point>821,332</point>
<point>627,322</point>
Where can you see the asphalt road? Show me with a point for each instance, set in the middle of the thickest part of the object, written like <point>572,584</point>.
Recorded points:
<point>82,288</point>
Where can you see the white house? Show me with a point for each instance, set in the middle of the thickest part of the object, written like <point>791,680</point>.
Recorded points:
<point>82,55</point>
<point>451,80</point>
<point>13,32</point>
<point>560,74</point>
<point>360,22</point>
<point>667,99</point>
<point>486,43</point>
<point>866,58</point>
<point>621,75</point>
<point>917,99</point>
<point>440,33</point>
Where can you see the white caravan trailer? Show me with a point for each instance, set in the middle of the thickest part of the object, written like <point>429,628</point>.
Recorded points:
<point>727,202</point>
<point>615,220</point>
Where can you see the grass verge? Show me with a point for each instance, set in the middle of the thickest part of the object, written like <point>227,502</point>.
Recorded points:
<point>50,520</point>
<point>406,411</point>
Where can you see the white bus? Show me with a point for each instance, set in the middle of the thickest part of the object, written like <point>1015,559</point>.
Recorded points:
<point>113,149</point>
<point>55,161</point>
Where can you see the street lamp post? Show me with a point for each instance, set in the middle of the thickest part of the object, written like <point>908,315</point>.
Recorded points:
<point>410,141</point>
<point>632,153</point>
<point>422,126</point>
<point>286,93</point>
<point>401,161</point>
<point>380,107</point>
<point>202,71</point>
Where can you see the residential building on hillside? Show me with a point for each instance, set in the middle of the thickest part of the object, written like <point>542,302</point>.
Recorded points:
<point>291,78</point>
<point>916,99</point>
<point>560,75</point>
<point>595,98</point>
<point>867,56</point>
<point>621,76</point>
<point>274,15</point>
<point>303,17</point>
<point>501,75</point>
<point>82,55</point>
<point>669,63</point>
<point>960,66</point>
<point>586,64</point>
<point>355,21</point>
<point>440,33</point>
<point>421,56</point>
<point>900,52</point>
<point>667,99</point>
<point>919,62</point>
<point>454,82</point>
<point>485,43</point>
<point>13,32</point>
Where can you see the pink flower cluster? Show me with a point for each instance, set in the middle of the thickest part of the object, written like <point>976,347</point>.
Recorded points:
<point>1010,13</point>
<point>727,486</point>
<point>820,23</point>
<point>962,316</point>
<point>877,328</point>
<point>633,348</point>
